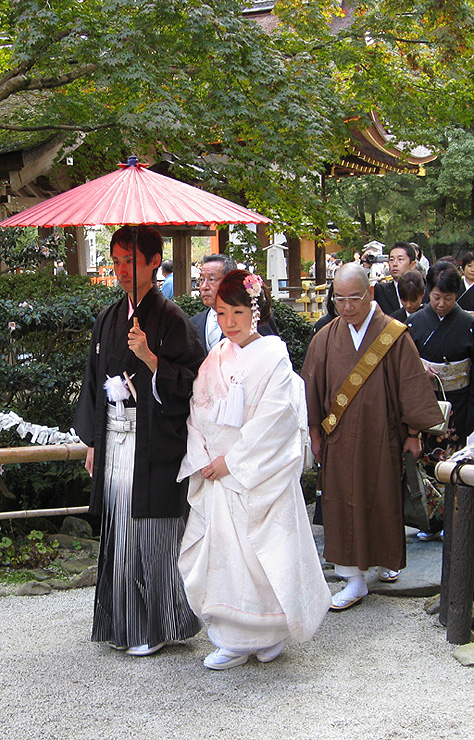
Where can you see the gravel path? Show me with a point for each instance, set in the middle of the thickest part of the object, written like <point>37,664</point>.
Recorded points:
<point>381,671</point>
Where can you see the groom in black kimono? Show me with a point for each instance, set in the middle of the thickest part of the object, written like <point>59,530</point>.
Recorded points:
<point>152,352</point>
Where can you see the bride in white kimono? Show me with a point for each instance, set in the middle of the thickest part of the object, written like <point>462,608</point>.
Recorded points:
<point>248,558</point>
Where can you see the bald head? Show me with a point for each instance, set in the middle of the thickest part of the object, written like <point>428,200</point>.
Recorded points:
<point>351,271</point>
<point>352,294</point>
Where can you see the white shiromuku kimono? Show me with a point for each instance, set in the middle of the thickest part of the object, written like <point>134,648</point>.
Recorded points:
<point>248,557</point>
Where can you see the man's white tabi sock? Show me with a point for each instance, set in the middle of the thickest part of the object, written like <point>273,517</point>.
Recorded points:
<point>356,586</point>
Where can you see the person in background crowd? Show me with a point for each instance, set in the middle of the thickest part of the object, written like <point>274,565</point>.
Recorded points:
<point>167,287</point>
<point>402,258</point>
<point>421,258</point>
<point>411,289</point>
<point>359,429</point>
<point>132,414</point>
<point>444,336</point>
<point>367,260</point>
<point>373,268</point>
<point>248,558</point>
<point>330,266</point>
<point>195,272</point>
<point>466,295</point>
<point>449,258</point>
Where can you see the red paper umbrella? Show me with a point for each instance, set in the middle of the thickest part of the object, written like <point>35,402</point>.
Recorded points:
<point>134,195</point>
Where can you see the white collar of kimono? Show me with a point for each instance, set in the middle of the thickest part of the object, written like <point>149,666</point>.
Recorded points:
<point>398,294</point>
<point>130,308</point>
<point>358,335</point>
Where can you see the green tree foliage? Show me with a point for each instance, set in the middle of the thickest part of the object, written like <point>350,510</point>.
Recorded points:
<point>412,61</point>
<point>194,79</point>
<point>436,211</point>
<point>250,113</point>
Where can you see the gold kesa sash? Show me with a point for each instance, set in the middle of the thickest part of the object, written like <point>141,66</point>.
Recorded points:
<point>364,368</point>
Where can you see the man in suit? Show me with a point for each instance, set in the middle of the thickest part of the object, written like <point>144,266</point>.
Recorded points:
<point>214,267</point>
<point>402,258</point>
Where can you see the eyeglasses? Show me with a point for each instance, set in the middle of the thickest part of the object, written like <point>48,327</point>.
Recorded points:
<point>210,280</point>
<point>352,300</point>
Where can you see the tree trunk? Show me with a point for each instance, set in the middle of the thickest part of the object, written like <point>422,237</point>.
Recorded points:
<point>294,264</point>
<point>362,219</point>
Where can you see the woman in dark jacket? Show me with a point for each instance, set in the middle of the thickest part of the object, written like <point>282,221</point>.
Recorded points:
<point>444,336</point>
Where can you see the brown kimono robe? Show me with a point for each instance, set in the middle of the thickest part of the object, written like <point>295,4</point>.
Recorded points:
<point>362,458</point>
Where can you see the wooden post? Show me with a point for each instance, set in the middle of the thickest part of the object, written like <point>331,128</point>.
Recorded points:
<point>223,235</point>
<point>447,542</point>
<point>461,576</point>
<point>182,262</point>
<point>320,259</point>
<point>320,249</point>
<point>262,235</point>
<point>294,265</point>
<point>83,259</point>
<point>76,261</point>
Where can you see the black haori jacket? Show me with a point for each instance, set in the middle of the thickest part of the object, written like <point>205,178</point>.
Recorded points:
<point>161,428</point>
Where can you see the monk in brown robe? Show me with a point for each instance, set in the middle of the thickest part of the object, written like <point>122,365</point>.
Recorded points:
<point>361,458</point>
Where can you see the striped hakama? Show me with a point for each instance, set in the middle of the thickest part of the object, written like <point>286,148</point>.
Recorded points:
<point>140,597</point>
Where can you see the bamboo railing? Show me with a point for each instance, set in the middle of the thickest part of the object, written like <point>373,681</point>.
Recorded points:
<point>43,453</point>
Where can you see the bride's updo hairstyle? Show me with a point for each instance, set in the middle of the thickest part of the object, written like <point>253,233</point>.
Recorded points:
<point>243,288</point>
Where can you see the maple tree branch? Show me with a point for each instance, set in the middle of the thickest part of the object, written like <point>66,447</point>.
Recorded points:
<point>22,82</point>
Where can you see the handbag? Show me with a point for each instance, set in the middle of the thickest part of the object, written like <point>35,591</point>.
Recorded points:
<point>445,408</point>
<point>415,505</point>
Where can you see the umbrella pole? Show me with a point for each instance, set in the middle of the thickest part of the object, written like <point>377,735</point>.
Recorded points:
<point>134,280</point>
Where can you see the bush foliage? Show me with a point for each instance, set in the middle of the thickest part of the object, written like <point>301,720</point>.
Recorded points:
<point>45,328</point>
<point>294,330</point>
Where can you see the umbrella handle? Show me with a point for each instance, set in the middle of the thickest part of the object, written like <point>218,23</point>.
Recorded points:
<point>135,321</point>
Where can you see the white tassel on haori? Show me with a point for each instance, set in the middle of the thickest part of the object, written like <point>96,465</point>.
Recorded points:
<point>117,391</point>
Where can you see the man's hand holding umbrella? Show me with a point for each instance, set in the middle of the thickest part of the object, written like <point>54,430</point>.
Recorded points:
<point>137,342</point>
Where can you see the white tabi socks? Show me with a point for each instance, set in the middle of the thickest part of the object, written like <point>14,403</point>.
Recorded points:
<point>353,593</point>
